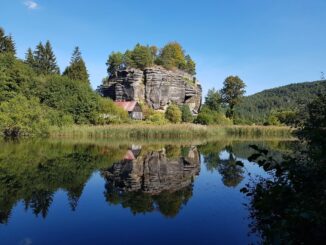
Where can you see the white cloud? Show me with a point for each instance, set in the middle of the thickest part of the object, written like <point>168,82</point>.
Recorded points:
<point>31,5</point>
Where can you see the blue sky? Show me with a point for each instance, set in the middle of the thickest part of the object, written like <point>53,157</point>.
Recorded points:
<point>268,43</point>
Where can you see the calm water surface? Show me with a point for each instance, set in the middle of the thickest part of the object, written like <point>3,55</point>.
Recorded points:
<point>70,193</point>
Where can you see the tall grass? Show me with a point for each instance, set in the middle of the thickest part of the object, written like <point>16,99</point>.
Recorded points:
<point>169,131</point>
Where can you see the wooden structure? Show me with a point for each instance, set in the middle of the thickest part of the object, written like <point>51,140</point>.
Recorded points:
<point>132,107</point>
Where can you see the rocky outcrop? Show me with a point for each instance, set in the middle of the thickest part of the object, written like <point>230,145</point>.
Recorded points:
<point>156,86</point>
<point>154,172</point>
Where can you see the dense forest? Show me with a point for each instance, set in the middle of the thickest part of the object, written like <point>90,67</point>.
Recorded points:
<point>269,106</point>
<point>35,96</point>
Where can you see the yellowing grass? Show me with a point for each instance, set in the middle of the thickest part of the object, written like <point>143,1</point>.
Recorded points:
<point>168,131</point>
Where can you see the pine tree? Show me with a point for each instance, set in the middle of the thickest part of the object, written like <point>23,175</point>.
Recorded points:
<point>10,45</point>
<point>29,58</point>
<point>51,66</point>
<point>44,60</point>
<point>76,56</point>
<point>6,43</point>
<point>77,69</point>
<point>39,58</point>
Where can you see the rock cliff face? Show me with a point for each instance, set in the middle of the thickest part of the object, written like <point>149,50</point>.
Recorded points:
<point>156,86</point>
<point>154,172</point>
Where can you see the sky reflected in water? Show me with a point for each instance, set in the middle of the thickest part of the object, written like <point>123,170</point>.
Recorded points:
<point>57,193</point>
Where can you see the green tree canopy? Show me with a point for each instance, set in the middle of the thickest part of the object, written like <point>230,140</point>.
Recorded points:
<point>20,116</point>
<point>190,65</point>
<point>232,92</point>
<point>71,97</point>
<point>114,62</point>
<point>213,100</point>
<point>172,56</point>
<point>141,57</point>
<point>317,113</point>
<point>77,69</point>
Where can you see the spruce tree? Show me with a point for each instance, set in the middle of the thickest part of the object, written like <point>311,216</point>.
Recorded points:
<point>7,44</point>
<point>77,69</point>
<point>51,66</point>
<point>39,58</point>
<point>29,58</point>
<point>44,59</point>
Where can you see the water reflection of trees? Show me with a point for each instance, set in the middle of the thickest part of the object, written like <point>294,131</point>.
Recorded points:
<point>289,207</point>
<point>33,172</point>
<point>156,180</point>
<point>231,168</point>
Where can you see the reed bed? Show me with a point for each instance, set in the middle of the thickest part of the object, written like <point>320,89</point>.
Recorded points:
<point>169,131</point>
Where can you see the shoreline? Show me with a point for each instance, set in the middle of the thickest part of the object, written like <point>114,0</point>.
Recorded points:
<point>168,131</point>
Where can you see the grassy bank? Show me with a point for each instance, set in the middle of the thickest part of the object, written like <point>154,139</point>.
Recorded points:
<point>170,131</point>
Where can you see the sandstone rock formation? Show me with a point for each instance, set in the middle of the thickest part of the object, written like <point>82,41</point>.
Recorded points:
<point>156,86</point>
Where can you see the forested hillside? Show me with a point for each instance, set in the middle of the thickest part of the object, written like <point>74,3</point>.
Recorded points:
<point>34,95</point>
<point>258,107</point>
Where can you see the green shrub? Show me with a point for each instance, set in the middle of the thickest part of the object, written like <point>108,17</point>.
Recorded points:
<point>20,116</point>
<point>209,117</point>
<point>71,97</point>
<point>58,118</point>
<point>15,76</point>
<point>157,118</point>
<point>110,113</point>
<point>173,113</point>
<point>186,114</point>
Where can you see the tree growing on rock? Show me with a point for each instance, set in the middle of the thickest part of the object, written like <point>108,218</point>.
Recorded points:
<point>77,69</point>
<point>114,63</point>
<point>232,92</point>
<point>172,56</point>
<point>142,56</point>
<point>190,65</point>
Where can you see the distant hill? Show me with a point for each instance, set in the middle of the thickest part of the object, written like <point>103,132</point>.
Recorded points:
<point>256,108</point>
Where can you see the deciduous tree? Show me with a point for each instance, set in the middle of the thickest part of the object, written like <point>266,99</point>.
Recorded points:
<point>114,62</point>
<point>232,92</point>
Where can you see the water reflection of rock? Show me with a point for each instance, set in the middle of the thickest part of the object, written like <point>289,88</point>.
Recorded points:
<point>155,180</point>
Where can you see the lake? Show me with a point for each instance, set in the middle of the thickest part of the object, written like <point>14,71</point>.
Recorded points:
<point>71,192</point>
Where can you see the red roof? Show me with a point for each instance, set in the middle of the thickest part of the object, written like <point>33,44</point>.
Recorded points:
<point>126,105</point>
<point>129,155</point>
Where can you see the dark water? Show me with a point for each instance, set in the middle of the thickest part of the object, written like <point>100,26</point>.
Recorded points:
<point>98,193</point>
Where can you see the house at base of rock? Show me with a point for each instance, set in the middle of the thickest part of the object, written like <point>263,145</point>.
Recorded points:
<point>132,107</point>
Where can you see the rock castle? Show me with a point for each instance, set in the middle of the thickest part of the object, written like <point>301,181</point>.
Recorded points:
<point>156,86</point>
